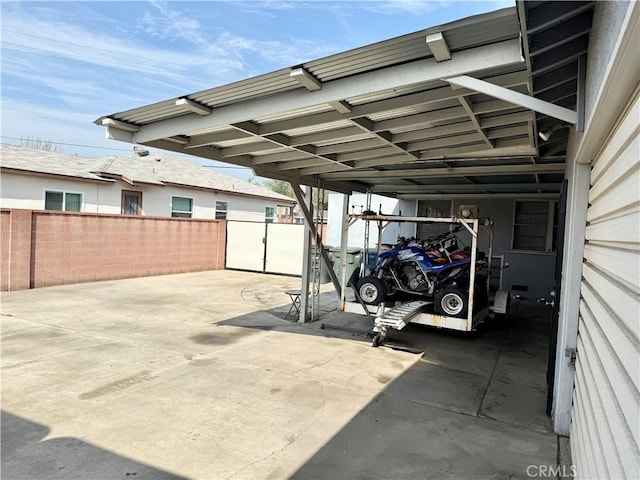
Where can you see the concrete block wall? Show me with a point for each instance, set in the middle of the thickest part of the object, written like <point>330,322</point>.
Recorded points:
<point>44,248</point>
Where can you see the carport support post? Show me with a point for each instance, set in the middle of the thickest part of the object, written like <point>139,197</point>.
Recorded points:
<point>344,241</point>
<point>306,258</point>
<point>304,202</point>
<point>579,175</point>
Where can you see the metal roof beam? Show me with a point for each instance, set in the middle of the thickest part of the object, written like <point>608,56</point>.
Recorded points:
<point>505,53</point>
<point>325,136</point>
<point>194,107</point>
<point>306,163</point>
<point>466,104</point>
<point>447,196</point>
<point>436,95</point>
<point>504,148</point>
<point>554,78</point>
<point>541,17</point>
<point>450,141</point>
<point>322,169</point>
<point>516,98</point>
<point>558,34</point>
<point>213,138</point>
<point>351,146</point>
<point>563,54</point>
<point>480,187</point>
<point>364,175</point>
<point>510,147</point>
<point>249,148</point>
<point>280,157</point>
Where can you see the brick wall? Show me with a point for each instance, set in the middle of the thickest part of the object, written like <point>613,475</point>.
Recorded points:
<point>43,248</point>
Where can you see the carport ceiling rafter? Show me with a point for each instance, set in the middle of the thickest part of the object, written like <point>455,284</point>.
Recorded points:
<point>377,112</point>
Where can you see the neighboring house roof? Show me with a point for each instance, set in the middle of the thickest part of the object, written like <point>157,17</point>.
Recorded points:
<point>154,169</point>
<point>163,169</point>
<point>33,160</point>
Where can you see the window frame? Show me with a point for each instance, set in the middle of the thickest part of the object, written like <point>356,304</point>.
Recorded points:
<point>216,211</point>
<point>131,193</point>
<point>550,227</point>
<point>180,211</point>
<point>267,218</point>
<point>64,199</point>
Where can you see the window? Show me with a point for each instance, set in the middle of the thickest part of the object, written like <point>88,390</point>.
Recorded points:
<point>221,210</point>
<point>63,201</point>
<point>535,226</point>
<point>181,207</point>
<point>131,202</point>
<point>269,214</point>
<point>433,209</point>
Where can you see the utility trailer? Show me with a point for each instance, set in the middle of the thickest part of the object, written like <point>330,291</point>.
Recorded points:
<point>420,311</point>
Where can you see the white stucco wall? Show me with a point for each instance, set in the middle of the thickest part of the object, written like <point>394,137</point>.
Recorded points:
<point>26,191</point>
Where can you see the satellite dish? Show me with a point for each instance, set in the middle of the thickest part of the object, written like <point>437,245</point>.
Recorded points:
<point>140,151</point>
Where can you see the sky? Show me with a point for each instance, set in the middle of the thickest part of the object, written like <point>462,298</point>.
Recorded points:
<point>64,64</point>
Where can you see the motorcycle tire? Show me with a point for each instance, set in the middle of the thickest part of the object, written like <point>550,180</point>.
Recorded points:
<point>452,302</point>
<point>371,290</point>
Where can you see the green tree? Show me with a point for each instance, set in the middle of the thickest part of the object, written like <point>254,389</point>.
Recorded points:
<point>279,186</point>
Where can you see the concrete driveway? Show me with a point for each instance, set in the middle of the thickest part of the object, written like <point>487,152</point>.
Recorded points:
<point>199,376</point>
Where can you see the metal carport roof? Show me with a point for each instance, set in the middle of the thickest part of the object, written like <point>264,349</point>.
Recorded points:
<point>393,117</point>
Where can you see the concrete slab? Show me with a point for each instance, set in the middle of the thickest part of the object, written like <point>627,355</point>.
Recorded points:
<point>199,376</point>
<point>400,439</point>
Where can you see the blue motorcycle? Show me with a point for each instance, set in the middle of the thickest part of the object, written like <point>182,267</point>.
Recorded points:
<point>408,270</point>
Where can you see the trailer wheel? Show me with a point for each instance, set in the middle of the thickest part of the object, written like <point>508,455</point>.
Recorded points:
<point>371,290</point>
<point>452,302</point>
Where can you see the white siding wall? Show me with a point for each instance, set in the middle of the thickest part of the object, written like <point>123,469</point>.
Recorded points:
<point>27,191</point>
<point>606,403</point>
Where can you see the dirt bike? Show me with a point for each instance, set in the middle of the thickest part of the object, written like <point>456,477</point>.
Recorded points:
<point>409,270</point>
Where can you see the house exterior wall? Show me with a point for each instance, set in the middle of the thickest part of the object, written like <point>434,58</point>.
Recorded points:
<point>604,430</point>
<point>596,399</point>
<point>532,270</point>
<point>27,192</point>
<point>44,248</point>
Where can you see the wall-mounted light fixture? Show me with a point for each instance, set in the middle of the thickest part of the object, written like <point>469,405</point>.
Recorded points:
<point>545,135</point>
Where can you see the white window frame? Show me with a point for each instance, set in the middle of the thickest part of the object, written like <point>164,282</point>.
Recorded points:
<point>182,196</point>
<point>64,199</point>
<point>550,231</point>
<point>272,218</point>
<point>215,210</point>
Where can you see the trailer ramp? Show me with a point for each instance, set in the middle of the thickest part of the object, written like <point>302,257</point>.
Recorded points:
<point>397,318</point>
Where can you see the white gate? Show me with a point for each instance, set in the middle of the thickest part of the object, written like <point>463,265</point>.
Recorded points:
<point>605,416</point>
<point>245,246</point>
<point>284,248</point>
<point>265,247</point>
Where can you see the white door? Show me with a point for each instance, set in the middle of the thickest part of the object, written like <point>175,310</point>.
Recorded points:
<point>605,416</point>
<point>245,246</point>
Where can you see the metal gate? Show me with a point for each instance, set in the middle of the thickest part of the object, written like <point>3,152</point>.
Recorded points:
<point>604,430</point>
<point>265,247</point>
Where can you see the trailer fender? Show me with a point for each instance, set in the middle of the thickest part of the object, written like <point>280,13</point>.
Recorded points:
<point>500,302</point>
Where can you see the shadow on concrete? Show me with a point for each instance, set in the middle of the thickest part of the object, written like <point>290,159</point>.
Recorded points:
<point>470,408</point>
<point>473,406</point>
<point>26,455</point>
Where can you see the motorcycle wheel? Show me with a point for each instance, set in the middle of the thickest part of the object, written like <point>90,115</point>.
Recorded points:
<point>371,290</point>
<point>452,302</point>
